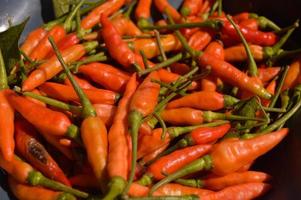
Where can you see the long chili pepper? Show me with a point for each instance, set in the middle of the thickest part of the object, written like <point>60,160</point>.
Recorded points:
<point>125,26</point>
<point>199,40</point>
<point>83,83</point>
<point>118,149</point>
<point>52,66</point>
<point>143,12</point>
<point>56,123</point>
<point>106,75</point>
<point>7,143</point>
<point>171,163</point>
<point>25,192</point>
<point>107,8</point>
<point>191,7</point>
<point>204,100</point>
<point>67,93</point>
<point>164,6</point>
<point>93,130</point>
<point>228,156</point>
<point>142,104</point>
<point>25,174</point>
<point>34,152</point>
<point>237,192</point>
<point>150,48</point>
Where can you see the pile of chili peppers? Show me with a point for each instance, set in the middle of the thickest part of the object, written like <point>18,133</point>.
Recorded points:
<point>108,106</point>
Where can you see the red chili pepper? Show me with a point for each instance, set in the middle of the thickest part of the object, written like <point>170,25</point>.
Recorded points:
<point>106,75</point>
<point>33,39</point>
<point>164,6</point>
<point>240,17</point>
<point>238,53</point>
<point>125,26</point>
<point>216,48</point>
<point>106,112</point>
<point>180,68</point>
<point>153,155</point>
<point>83,83</point>
<point>182,116</point>
<point>265,74</point>
<point>191,7</point>
<point>203,100</point>
<point>22,191</point>
<point>271,88</point>
<point>238,192</point>
<point>52,66</point>
<point>250,24</point>
<point>208,84</point>
<point>67,93</point>
<point>118,149</point>
<point>42,49</point>
<point>35,91</point>
<point>199,40</point>
<point>143,11</point>
<point>34,152</point>
<point>107,8</point>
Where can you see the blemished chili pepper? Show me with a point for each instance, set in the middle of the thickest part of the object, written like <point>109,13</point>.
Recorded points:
<point>43,48</point>
<point>84,180</point>
<point>7,143</point>
<point>25,192</point>
<point>25,174</point>
<point>228,156</point>
<point>56,123</point>
<point>93,130</point>
<point>33,39</point>
<point>252,36</point>
<point>203,100</point>
<point>216,48</point>
<point>265,74</point>
<point>35,153</point>
<point>106,75</point>
<point>142,104</point>
<point>237,192</point>
<point>67,93</point>
<point>83,83</point>
<point>191,7</point>
<point>106,112</point>
<point>164,6</point>
<point>231,74</point>
<point>143,12</point>
<point>199,40</point>
<point>125,26</point>
<point>292,75</point>
<point>107,8</point>
<point>118,149</point>
<point>171,163</point>
<point>52,66</point>
<point>150,47</point>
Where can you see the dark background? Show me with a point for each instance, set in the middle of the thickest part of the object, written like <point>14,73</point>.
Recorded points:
<point>284,162</point>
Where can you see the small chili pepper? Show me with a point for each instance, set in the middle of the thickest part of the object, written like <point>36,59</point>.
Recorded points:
<point>199,40</point>
<point>52,66</point>
<point>34,152</point>
<point>242,191</point>
<point>216,48</point>
<point>125,26</point>
<point>67,93</point>
<point>143,12</point>
<point>93,130</point>
<point>191,7</point>
<point>83,83</point>
<point>106,75</point>
<point>22,191</point>
<point>7,144</point>
<point>171,163</point>
<point>228,156</point>
<point>142,104</point>
<point>118,149</point>
<point>271,88</point>
<point>204,100</point>
<point>84,180</point>
<point>107,8</point>
<point>56,123</point>
<point>25,174</point>
<point>164,6</point>
<point>150,48</point>
<point>265,74</point>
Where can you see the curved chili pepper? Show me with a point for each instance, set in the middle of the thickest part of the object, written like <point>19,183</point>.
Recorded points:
<point>142,104</point>
<point>203,100</point>
<point>191,7</point>
<point>231,74</point>
<point>106,75</point>
<point>67,93</point>
<point>33,151</point>
<point>42,49</point>
<point>143,12</point>
<point>52,66</point>
<point>242,191</point>
<point>118,149</point>
<point>265,74</point>
<point>7,143</point>
<point>33,39</point>
<point>292,75</point>
<point>164,6</point>
<point>25,174</point>
<point>83,83</point>
<point>106,112</point>
<point>56,123</point>
<point>125,26</point>
<point>199,40</point>
<point>228,156</point>
<point>22,191</point>
<point>150,47</point>
<point>93,130</point>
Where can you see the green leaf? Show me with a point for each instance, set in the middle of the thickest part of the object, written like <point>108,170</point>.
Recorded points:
<point>9,44</point>
<point>61,7</point>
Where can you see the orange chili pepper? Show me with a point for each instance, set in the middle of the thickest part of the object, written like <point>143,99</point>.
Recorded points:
<point>191,7</point>
<point>164,6</point>
<point>216,48</point>
<point>292,75</point>
<point>199,40</point>
<point>83,83</point>
<point>33,39</point>
<point>153,155</point>
<point>238,53</point>
<point>143,11</point>
<point>36,91</point>
<point>125,26</point>
<point>265,74</point>
<point>106,112</point>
